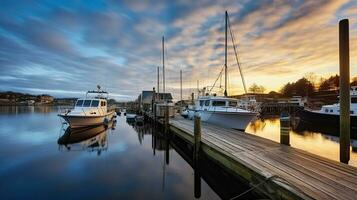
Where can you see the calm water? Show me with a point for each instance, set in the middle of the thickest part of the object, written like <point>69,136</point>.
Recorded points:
<point>116,163</point>
<point>315,141</point>
<point>40,158</point>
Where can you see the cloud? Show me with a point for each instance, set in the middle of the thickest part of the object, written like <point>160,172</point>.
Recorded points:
<point>74,46</point>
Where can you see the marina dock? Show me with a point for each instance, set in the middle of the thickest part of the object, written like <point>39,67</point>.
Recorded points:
<point>272,169</point>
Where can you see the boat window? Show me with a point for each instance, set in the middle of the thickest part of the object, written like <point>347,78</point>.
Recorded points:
<point>207,103</point>
<point>353,100</point>
<point>233,103</point>
<point>326,110</point>
<point>331,110</point>
<point>201,103</point>
<point>218,103</point>
<point>86,103</point>
<point>95,103</point>
<point>102,103</point>
<point>351,112</point>
<point>79,103</point>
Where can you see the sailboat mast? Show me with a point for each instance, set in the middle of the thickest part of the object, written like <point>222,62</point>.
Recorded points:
<point>181,87</point>
<point>225,57</point>
<point>158,79</point>
<point>163,63</point>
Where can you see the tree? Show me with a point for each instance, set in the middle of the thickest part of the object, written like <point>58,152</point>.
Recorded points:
<point>331,83</point>
<point>311,77</point>
<point>301,87</point>
<point>254,88</point>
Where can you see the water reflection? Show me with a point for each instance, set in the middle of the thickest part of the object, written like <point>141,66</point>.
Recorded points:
<point>90,139</point>
<point>313,139</point>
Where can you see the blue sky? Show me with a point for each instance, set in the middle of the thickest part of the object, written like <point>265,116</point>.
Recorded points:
<point>65,48</point>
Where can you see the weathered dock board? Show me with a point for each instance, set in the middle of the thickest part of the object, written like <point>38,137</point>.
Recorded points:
<point>279,171</point>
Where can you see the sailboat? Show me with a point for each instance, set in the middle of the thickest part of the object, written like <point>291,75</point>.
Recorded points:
<point>222,110</point>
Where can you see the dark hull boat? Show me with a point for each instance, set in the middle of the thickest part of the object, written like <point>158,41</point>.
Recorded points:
<point>325,123</point>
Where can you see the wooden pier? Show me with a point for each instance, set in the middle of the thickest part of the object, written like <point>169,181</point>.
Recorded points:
<point>272,169</point>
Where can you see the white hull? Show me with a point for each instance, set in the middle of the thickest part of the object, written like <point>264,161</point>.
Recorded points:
<point>235,120</point>
<point>76,121</point>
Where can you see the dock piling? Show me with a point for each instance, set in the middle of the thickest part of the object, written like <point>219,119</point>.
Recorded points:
<point>167,117</point>
<point>197,135</point>
<point>197,146</point>
<point>344,91</point>
<point>285,129</point>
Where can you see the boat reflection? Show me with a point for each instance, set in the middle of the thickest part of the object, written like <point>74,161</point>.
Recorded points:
<point>327,130</point>
<point>91,139</point>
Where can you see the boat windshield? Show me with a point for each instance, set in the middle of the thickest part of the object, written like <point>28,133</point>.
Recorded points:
<point>95,103</point>
<point>79,103</point>
<point>218,103</point>
<point>86,103</point>
<point>232,103</point>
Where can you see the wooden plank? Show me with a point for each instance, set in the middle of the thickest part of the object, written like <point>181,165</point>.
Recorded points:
<point>302,174</point>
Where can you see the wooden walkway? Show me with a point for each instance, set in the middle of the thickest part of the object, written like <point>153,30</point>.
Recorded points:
<point>282,172</point>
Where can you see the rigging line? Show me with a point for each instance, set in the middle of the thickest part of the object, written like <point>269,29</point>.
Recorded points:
<point>220,75</point>
<point>236,55</point>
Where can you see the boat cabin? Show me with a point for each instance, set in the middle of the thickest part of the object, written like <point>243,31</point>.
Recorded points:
<point>94,103</point>
<point>216,103</point>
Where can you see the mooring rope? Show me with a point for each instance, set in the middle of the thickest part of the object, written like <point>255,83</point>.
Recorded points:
<point>254,187</point>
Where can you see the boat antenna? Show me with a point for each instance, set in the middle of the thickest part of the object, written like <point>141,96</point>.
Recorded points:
<point>181,88</point>
<point>225,57</point>
<point>198,88</point>
<point>163,62</point>
<point>236,54</point>
<point>158,79</point>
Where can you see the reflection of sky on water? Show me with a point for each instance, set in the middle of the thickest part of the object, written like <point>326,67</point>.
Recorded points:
<point>32,164</point>
<point>314,142</point>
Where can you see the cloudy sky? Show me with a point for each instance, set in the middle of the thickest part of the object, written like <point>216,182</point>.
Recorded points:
<point>64,48</point>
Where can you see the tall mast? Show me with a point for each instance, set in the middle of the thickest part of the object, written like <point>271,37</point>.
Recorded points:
<point>198,88</point>
<point>225,57</point>
<point>163,62</point>
<point>158,79</point>
<point>181,87</point>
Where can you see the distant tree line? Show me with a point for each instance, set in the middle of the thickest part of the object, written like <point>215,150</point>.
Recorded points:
<point>305,86</point>
<point>308,84</point>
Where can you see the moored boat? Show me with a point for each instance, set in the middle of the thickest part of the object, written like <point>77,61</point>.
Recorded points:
<point>329,115</point>
<point>222,111</point>
<point>90,111</point>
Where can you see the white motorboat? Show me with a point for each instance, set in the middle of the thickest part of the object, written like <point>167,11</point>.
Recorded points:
<point>90,111</point>
<point>222,111</point>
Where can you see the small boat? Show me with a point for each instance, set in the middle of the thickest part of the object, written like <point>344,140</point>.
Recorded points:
<point>139,119</point>
<point>184,113</point>
<point>130,117</point>
<point>90,111</point>
<point>329,115</point>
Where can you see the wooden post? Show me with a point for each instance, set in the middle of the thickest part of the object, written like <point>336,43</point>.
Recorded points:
<point>167,150</point>
<point>285,128</point>
<point>197,146</point>
<point>167,117</point>
<point>344,91</point>
<point>197,183</point>
<point>192,97</point>
<point>197,135</point>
